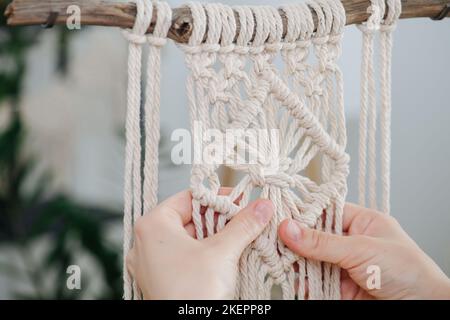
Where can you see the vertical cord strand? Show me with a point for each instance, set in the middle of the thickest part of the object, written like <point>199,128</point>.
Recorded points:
<point>387,29</point>
<point>133,180</point>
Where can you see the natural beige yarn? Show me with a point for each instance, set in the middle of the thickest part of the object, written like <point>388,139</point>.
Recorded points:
<point>135,201</point>
<point>368,115</point>
<point>235,84</point>
<point>304,102</point>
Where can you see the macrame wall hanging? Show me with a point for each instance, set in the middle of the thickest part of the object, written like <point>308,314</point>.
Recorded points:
<point>234,83</point>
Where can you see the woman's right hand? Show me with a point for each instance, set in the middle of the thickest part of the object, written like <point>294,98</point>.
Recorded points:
<point>371,239</point>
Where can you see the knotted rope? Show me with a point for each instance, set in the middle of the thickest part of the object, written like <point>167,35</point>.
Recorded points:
<point>368,113</point>
<point>136,202</point>
<point>237,86</point>
<point>234,84</point>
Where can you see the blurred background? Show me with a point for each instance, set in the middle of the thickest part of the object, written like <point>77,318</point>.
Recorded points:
<point>62,108</point>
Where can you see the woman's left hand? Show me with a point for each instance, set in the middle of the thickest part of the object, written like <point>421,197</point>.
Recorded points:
<point>168,262</point>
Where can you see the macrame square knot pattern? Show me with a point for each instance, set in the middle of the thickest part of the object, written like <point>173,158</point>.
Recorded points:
<point>270,78</point>
<point>236,85</point>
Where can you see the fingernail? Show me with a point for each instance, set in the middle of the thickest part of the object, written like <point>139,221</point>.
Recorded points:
<point>293,230</point>
<point>264,211</point>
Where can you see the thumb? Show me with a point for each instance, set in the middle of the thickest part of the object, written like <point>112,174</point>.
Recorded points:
<point>245,226</point>
<point>345,251</point>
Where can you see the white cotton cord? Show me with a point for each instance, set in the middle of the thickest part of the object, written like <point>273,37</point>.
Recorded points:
<point>234,84</point>
<point>192,50</point>
<point>213,14</point>
<point>387,28</point>
<point>363,113</point>
<point>305,104</point>
<point>136,37</point>
<point>319,273</point>
<point>295,52</point>
<point>247,26</point>
<point>378,11</point>
<point>336,118</point>
<point>367,126</point>
<point>293,27</point>
<point>133,196</point>
<point>368,113</point>
<point>152,103</point>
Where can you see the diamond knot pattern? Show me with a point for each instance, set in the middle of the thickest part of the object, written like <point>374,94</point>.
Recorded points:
<point>286,101</point>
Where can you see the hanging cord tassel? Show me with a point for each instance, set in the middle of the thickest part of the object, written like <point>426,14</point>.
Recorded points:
<point>367,124</point>
<point>387,28</point>
<point>133,196</point>
<point>368,113</point>
<point>195,42</point>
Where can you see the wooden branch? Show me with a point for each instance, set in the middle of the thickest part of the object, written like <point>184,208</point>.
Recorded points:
<point>110,13</point>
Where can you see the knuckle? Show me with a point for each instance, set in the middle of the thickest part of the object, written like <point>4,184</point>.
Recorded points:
<point>318,241</point>
<point>362,248</point>
<point>139,228</point>
<point>384,220</point>
<point>391,221</point>
<point>247,225</point>
<point>363,241</point>
<point>142,226</point>
<point>363,222</point>
<point>146,224</point>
